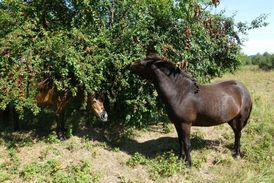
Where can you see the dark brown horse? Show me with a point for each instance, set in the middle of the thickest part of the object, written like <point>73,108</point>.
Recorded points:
<point>49,96</point>
<point>189,104</point>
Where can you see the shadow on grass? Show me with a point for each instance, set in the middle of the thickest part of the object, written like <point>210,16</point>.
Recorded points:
<point>150,148</point>
<point>36,128</point>
<point>41,129</point>
<point>30,131</point>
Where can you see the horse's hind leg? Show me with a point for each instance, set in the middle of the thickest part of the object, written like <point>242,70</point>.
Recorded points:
<point>236,126</point>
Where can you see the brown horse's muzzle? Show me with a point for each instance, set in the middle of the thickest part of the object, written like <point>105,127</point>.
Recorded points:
<point>137,68</point>
<point>103,116</point>
<point>133,66</point>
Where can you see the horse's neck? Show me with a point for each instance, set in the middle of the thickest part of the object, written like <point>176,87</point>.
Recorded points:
<point>165,85</point>
<point>170,87</point>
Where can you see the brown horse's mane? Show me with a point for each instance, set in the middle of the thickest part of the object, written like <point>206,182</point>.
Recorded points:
<point>161,61</point>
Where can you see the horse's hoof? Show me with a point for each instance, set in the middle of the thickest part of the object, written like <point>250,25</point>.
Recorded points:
<point>62,137</point>
<point>236,156</point>
<point>188,165</point>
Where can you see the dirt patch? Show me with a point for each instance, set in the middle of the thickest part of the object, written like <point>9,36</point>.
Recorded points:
<point>113,168</point>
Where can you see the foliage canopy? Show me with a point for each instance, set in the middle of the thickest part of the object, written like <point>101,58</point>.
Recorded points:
<point>92,41</point>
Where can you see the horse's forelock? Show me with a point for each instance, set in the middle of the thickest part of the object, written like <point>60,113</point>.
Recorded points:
<point>97,96</point>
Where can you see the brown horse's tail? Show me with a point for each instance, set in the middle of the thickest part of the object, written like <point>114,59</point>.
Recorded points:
<point>247,104</point>
<point>249,112</point>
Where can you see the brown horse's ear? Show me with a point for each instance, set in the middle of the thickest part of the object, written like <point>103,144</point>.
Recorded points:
<point>149,63</point>
<point>42,84</point>
<point>99,95</point>
<point>185,64</point>
<point>46,84</point>
<point>182,65</point>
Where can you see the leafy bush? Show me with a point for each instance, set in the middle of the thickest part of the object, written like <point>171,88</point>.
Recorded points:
<point>90,43</point>
<point>264,61</point>
<point>267,65</point>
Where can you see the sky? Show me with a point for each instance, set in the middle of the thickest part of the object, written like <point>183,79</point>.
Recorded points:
<point>258,40</point>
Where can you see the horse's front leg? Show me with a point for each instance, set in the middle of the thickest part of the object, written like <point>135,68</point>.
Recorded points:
<point>186,142</point>
<point>60,111</point>
<point>183,131</point>
<point>180,139</point>
<point>13,117</point>
<point>61,126</point>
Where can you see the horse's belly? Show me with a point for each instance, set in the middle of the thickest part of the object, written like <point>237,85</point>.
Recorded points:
<point>217,112</point>
<point>207,123</point>
<point>203,120</point>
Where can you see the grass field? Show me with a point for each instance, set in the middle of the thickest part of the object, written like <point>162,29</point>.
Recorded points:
<point>150,154</point>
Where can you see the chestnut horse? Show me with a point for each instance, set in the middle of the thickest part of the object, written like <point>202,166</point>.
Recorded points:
<point>49,96</point>
<point>190,104</point>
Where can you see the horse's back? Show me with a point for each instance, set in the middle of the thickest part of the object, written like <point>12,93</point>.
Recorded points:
<point>226,83</point>
<point>239,87</point>
<point>221,102</point>
<point>238,90</point>
<point>233,88</point>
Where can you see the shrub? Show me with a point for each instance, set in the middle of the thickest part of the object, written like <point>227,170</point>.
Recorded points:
<point>264,61</point>
<point>90,43</point>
